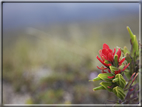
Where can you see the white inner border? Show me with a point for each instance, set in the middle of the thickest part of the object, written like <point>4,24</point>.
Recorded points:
<point>140,7</point>
<point>113,1</point>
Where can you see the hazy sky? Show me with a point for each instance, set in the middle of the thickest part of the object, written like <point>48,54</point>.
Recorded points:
<point>30,14</point>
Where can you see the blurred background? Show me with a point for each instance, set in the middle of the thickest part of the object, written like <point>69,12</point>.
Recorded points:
<point>50,49</point>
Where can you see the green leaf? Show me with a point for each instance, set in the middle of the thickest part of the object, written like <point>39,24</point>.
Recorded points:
<point>104,76</point>
<point>107,62</point>
<point>134,43</point>
<point>98,88</point>
<point>121,81</point>
<point>135,46</point>
<point>116,60</point>
<point>119,92</point>
<point>128,84</point>
<point>106,84</point>
<point>131,34</point>
<point>113,69</point>
<point>97,78</point>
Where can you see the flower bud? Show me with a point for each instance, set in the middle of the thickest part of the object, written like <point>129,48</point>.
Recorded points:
<point>119,92</point>
<point>115,80</point>
<point>96,79</point>
<point>104,76</point>
<point>98,88</point>
<point>120,80</point>
<point>107,85</point>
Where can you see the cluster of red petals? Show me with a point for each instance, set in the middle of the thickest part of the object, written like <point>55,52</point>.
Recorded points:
<point>119,54</point>
<point>108,54</point>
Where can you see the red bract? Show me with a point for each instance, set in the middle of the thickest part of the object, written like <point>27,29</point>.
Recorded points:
<point>119,54</point>
<point>102,61</point>
<point>122,60</point>
<point>119,71</point>
<point>102,68</point>
<point>107,59</point>
<point>107,56</point>
<point>110,77</point>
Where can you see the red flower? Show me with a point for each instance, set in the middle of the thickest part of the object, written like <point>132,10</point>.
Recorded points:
<point>107,54</point>
<point>107,59</point>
